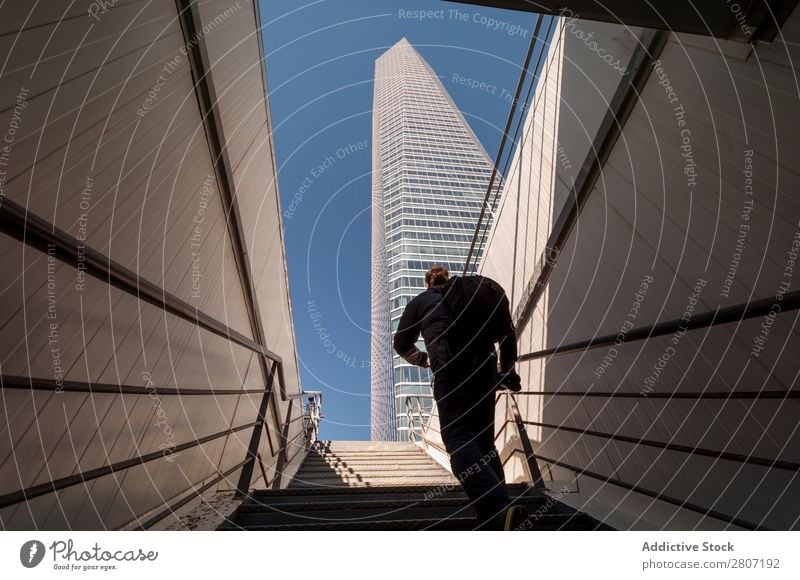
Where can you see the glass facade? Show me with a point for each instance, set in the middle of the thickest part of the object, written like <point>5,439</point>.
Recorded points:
<point>430,175</point>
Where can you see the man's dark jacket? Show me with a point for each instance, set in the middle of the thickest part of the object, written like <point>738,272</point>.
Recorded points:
<point>429,315</point>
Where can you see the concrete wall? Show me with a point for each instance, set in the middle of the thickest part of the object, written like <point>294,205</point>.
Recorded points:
<point>109,145</point>
<point>670,228</point>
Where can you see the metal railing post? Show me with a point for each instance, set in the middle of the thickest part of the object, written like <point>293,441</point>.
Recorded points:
<point>283,454</point>
<point>527,447</point>
<point>255,438</point>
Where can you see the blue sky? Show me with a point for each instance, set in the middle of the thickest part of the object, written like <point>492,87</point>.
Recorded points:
<point>320,58</point>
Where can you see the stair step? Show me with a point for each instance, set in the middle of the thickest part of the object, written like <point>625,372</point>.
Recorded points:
<point>545,522</point>
<point>355,514</point>
<point>405,490</point>
<point>372,466</point>
<point>367,485</point>
<point>371,482</point>
<point>372,456</point>
<point>364,448</point>
<point>368,446</point>
<point>311,495</point>
<point>374,506</point>
<point>346,479</point>
<point>379,474</point>
<point>367,455</point>
<point>369,458</point>
<point>380,470</point>
<point>379,502</point>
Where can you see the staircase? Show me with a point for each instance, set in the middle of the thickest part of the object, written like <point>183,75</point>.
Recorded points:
<point>363,485</point>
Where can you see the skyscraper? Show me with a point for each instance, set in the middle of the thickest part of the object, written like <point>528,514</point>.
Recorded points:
<point>429,179</point>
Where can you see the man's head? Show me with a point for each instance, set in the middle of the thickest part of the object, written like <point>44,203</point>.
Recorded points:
<point>436,275</point>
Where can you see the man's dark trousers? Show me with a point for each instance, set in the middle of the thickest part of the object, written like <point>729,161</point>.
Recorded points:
<point>465,399</point>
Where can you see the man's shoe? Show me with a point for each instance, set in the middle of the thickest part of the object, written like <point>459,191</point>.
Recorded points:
<point>516,516</point>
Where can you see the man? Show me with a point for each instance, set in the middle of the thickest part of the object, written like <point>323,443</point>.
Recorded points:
<point>465,378</point>
<point>312,418</point>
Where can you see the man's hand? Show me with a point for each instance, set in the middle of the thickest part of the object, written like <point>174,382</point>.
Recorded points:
<point>425,363</point>
<point>510,380</point>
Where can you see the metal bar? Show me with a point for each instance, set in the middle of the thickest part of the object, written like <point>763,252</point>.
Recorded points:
<point>300,449</point>
<point>410,418</point>
<point>282,381</point>
<point>438,447</point>
<point>280,466</point>
<point>420,411</point>
<point>261,466</point>
<point>739,312</point>
<point>503,140</point>
<point>737,457</point>
<point>638,489</point>
<point>255,438</point>
<point>651,43</point>
<point>36,384</point>
<point>412,436</point>
<point>655,495</point>
<point>78,478</point>
<point>196,492</point>
<point>639,395</point>
<point>537,71</point>
<point>530,456</point>
<point>429,428</point>
<point>548,468</point>
<point>32,230</point>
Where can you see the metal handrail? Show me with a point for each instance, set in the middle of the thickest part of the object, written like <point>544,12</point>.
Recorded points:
<point>415,418</point>
<point>747,310</point>
<point>711,395</point>
<point>509,120</point>
<point>207,483</point>
<point>24,383</point>
<point>414,412</point>
<point>527,447</point>
<point>33,231</point>
<point>689,449</point>
<point>682,503</point>
<point>37,490</point>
